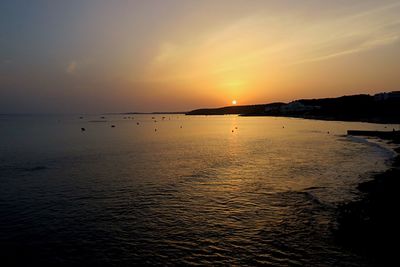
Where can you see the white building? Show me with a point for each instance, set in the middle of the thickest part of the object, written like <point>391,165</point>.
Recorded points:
<point>387,96</point>
<point>297,106</point>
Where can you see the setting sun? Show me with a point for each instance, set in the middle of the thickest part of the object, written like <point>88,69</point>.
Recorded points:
<point>234,102</point>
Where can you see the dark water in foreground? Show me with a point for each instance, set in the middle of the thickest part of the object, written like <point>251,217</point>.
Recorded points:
<point>201,194</point>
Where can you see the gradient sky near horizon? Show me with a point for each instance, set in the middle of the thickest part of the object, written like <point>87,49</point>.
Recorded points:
<point>174,55</point>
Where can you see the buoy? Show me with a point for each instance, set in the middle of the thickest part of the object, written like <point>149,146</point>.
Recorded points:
<point>83,129</point>
<point>112,126</point>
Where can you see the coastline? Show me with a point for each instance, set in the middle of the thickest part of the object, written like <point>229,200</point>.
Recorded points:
<point>378,120</point>
<point>370,226</point>
<point>378,108</point>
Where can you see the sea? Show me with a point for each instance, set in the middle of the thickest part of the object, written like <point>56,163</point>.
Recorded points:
<point>168,189</point>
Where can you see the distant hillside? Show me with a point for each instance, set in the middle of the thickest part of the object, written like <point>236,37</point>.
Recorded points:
<point>380,108</point>
<point>147,113</point>
<point>250,109</point>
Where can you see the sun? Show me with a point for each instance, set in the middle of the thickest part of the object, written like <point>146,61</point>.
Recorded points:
<point>234,102</point>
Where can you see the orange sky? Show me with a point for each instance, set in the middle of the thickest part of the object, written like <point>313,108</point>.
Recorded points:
<point>116,56</point>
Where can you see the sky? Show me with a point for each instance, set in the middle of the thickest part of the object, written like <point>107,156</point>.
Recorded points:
<point>95,56</point>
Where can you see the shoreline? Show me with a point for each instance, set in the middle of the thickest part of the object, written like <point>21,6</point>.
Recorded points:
<point>377,120</point>
<point>378,108</point>
<point>370,226</point>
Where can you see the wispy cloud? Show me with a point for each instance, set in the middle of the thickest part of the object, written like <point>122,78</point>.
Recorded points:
<point>278,40</point>
<point>367,45</point>
<point>72,67</point>
<point>7,61</point>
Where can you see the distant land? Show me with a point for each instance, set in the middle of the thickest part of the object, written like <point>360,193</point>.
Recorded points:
<point>148,113</point>
<point>378,108</point>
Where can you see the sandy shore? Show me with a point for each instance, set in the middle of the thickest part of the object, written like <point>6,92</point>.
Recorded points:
<point>370,226</point>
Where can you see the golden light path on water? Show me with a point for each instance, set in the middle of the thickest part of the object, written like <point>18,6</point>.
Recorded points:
<point>204,189</point>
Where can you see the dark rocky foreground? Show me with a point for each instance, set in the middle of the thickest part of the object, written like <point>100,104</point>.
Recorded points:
<point>370,226</point>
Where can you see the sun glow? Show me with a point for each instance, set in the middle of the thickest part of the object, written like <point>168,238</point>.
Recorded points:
<point>234,102</point>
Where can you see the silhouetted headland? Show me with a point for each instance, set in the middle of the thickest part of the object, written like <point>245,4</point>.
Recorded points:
<point>243,110</point>
<point>370,226</point>
<point>378,108</point>
<point>148,113</point>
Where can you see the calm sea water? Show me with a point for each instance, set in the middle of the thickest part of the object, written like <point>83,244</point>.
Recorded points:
<point>197,190</point>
